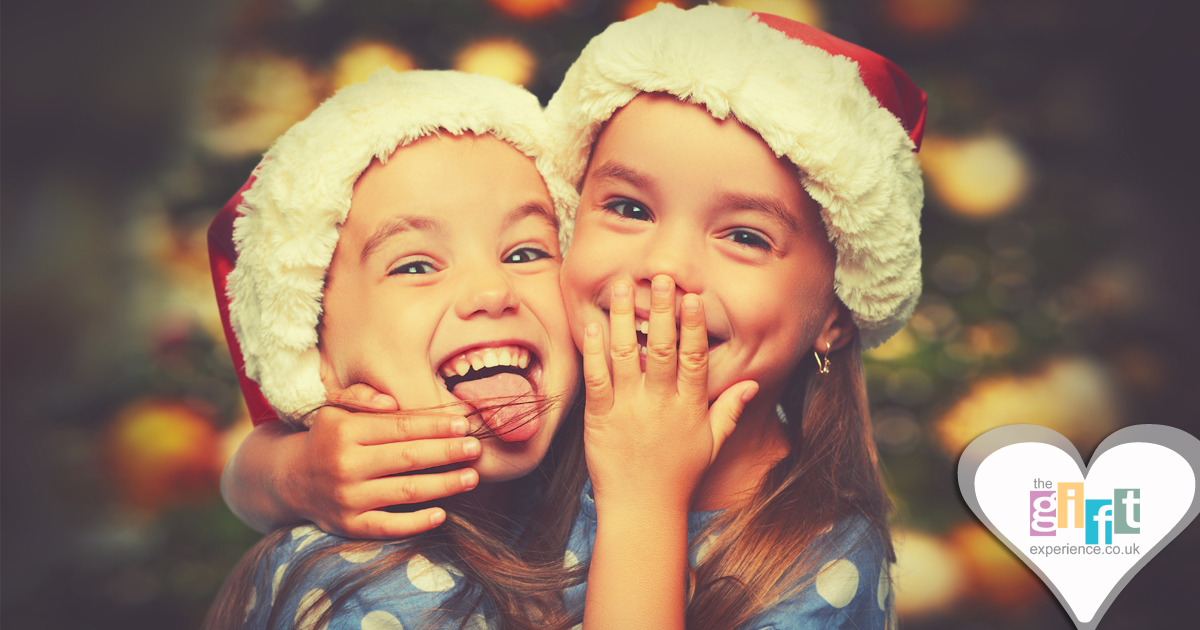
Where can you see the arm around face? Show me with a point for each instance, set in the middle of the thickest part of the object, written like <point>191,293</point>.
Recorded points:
<point>348,465</point>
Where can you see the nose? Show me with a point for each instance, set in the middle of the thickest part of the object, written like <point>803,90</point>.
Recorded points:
<point>672,251</point>
<point>488,291</point>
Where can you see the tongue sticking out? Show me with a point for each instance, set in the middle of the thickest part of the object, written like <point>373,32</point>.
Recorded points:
<point>498,390</point>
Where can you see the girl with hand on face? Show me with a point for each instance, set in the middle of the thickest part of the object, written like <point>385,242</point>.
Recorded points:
<point>399,249</point>
<point>750,202</point>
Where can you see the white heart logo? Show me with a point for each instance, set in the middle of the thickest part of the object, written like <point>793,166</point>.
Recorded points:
<point>1085,530</point>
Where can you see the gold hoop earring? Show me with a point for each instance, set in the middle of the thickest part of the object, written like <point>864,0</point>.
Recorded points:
<point>823,366</point>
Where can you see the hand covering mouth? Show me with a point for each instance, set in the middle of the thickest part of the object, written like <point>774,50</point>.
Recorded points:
<point>501,383</point>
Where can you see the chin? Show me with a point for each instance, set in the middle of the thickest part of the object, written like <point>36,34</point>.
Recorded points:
<point>495,467</point>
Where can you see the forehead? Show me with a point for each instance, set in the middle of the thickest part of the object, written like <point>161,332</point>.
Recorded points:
<point>655,126</point>
<point>446,178</point>
<point>659,143</point>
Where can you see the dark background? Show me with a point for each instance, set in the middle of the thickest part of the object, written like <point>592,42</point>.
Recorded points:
<point>126,124</point>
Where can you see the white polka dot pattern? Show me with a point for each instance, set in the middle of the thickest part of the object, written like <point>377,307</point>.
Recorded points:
<point>427,576</point>
<point>310,537</point>
<point>885,586</point>
<point>304,530</point>
<point>569,560</point>
<point>381,620</point>
<point>253,600</point>
<point>275,582</point>
<point>837,582</point>
<point>312,606</point>
<point>360,556</point>
<point>704,548</point>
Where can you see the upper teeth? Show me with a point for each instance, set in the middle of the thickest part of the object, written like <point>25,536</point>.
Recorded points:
<point>644,327</point>
<point>480,358</point>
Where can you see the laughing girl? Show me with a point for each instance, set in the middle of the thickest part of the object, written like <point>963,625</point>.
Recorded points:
<point>758,176</point>
<point>402,244</point>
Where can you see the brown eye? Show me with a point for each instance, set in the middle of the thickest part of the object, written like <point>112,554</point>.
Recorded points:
<point>629,209</point>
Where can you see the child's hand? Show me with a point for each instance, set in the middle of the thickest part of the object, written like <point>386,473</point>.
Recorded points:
<point>340,472</point>
<point>650,437</point>
<point>350,462</point>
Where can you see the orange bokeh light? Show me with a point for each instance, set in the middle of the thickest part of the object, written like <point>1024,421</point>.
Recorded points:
<point>634,8</point>
<point>927,17</point>
<point>359,61</point>
<point>529,9</point>
<point>163,452</point>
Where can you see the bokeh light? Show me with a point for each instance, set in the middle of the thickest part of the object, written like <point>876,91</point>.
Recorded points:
<point>899,346</point>
<point>634,8</point>
<point>928,576</point>
<point>927,17</point>
<point>806,11</point>
<point>252,99</point>
<point>162,452</point>
<point>529,9</point>
<point>503,58</point>
<point>978,177</point>
<point>360,60</point>
<point>1073,396</point>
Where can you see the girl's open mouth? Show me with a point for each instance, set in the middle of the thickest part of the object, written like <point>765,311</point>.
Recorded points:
<point>501,383</point>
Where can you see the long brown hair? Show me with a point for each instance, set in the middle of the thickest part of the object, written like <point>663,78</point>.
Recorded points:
<point>773,544</point>
<point>520,581</point>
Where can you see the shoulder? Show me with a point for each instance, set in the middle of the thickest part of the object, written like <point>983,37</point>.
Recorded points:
<point>851,588</point>
<point>363,583</point>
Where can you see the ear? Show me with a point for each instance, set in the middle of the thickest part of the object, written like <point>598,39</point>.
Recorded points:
<point>837,330</point>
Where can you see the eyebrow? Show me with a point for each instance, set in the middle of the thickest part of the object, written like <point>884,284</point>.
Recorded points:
<point>533,208</point>
<point>770,206</point>
<point>618,171</point>
<point>396,226</point>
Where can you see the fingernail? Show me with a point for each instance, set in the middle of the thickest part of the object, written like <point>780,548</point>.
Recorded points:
<point>468,477</point>
<point>691,303</point>
<point>458,427</point>
<point>437,517</point>
<point>471,447</point>
<point>592,330</point>
<point>662,285</point>
<point>621,290</point>
<point>749,392</point>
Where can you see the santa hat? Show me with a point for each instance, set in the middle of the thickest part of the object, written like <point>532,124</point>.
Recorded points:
<point>291,210</point>
<point>848,118</point>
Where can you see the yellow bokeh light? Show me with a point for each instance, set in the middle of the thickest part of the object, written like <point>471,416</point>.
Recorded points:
<point>806,11</point>
<point>1073,396</point>
<point>361,60</point>
<point>252,100</point>
<point>927,576</point>
<point>899,346</point>
<point>980,177</point>
<point>162,451</point>
<point>502,58</point>
<point>529,9</point>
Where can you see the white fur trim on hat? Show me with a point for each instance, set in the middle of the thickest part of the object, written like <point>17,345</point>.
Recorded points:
<point>855,158</point>
<point>288,230</point>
